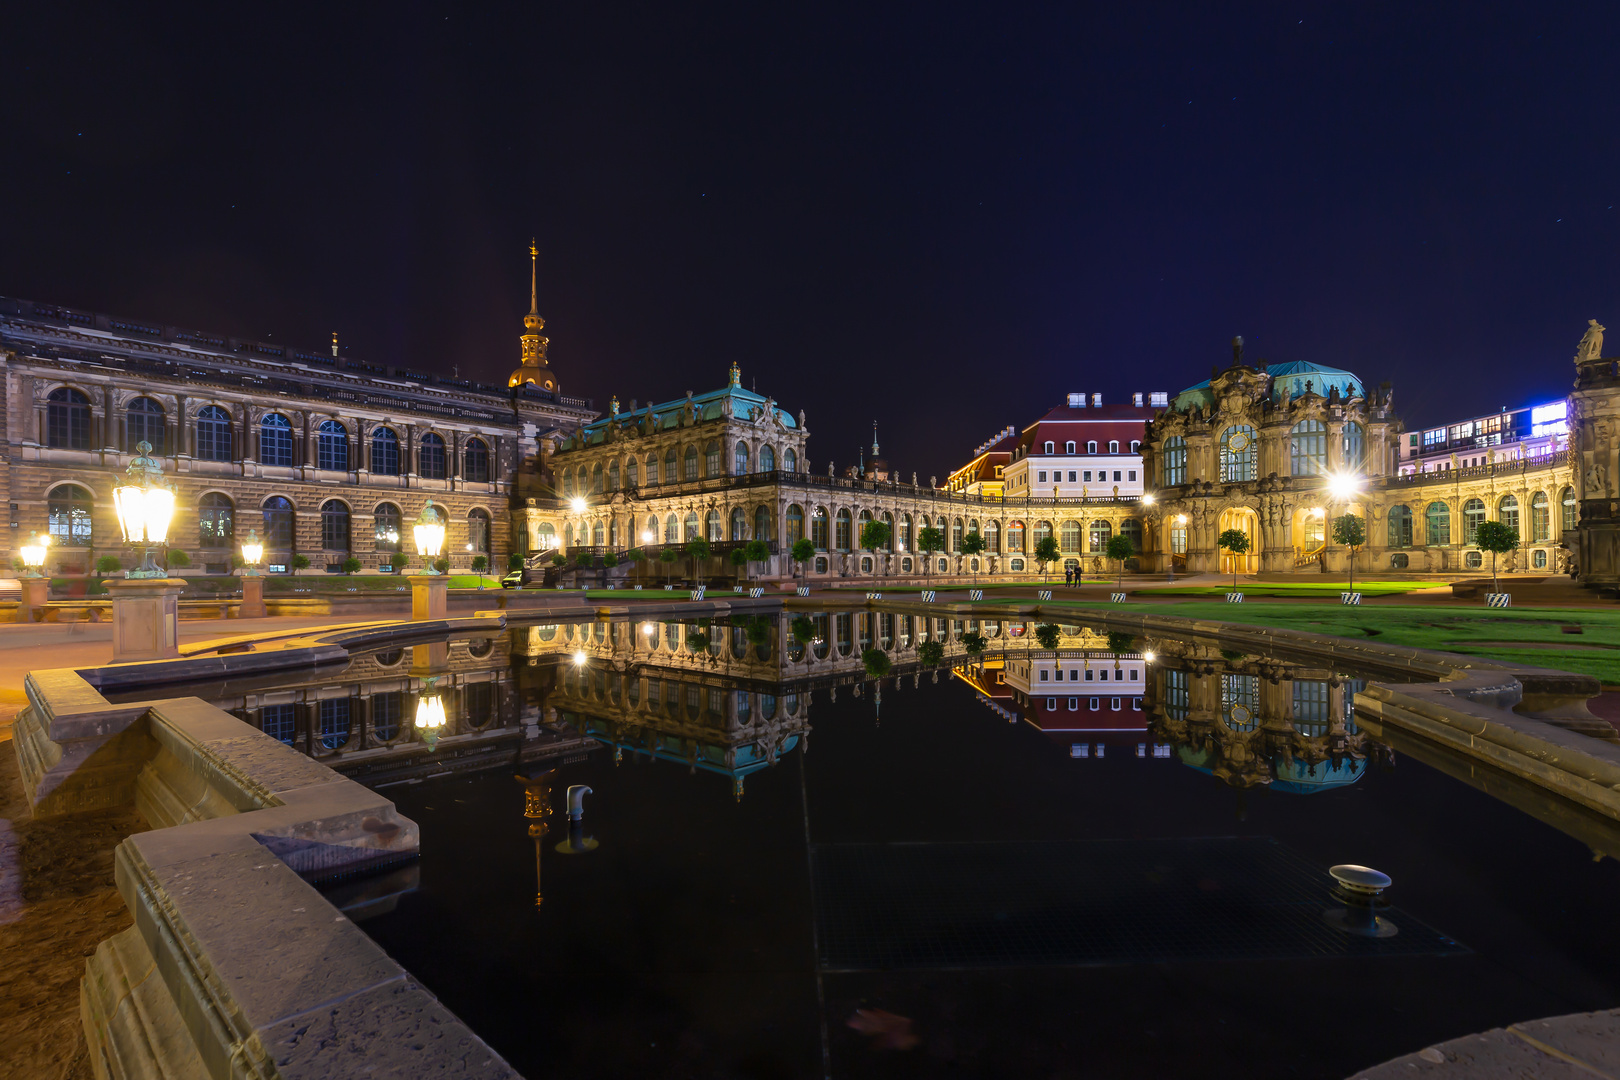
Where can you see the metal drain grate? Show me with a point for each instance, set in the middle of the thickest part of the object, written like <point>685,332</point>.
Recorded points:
<point>964,905</point>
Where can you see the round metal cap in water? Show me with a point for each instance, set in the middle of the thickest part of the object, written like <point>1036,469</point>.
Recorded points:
<point>1359,879</point>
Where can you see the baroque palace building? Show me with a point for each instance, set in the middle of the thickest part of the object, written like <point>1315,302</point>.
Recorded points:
<point>324,457</point>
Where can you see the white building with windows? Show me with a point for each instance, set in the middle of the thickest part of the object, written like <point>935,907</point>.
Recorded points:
<point>1082,451</point>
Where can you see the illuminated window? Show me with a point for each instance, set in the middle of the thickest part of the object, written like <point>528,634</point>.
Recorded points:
<point>68,515</point>
<point>1307,448</point>
<point>275,440</point>
<point>216,516</point>
<point>1174,458</point>
<point>213,434</point>
<point>67,419</point>
<point>431,454</point>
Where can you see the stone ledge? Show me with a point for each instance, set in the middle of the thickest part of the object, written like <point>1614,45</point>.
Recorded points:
<point>1581,1046</point>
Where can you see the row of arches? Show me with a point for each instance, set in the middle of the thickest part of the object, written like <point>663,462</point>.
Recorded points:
<point>842,530</point>
<point>1308,446</point>
<point>672,468</point>
<point>67,426</point>
<point>1534,527</point>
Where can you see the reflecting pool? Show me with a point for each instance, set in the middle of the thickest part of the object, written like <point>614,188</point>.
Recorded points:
<point>812,854</point>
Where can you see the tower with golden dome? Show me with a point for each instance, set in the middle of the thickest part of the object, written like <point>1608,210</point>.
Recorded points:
<point>533,368</point>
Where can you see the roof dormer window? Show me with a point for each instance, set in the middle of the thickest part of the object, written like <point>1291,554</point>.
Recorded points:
<point>1091,447</point>
<point>1050,447</point>
<point>1068,447</point>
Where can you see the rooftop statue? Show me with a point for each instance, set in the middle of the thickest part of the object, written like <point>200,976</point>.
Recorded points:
<point>1591,346</point>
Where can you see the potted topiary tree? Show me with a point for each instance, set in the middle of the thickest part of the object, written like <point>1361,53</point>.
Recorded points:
<point>929,541</point>
<point>1237,542</point>
<point>176,558</point>
<point>1048,635</point>
<point>1046,551</point>
<point>351,565</point>
<point>399,561</point>
<point>739,559</point>
<point>803,551</point>
<point>930,653</point>
<point>1349,530</point>
<point>874,536</point>
<point>668,557</point>
<point>1498,539</point>
<point>514,561</point>
<point>300,562</point>
<point>1120,548</point>
<point>757,551</point>
<point>973,545</point>
<point>877,662</point>
<point>697,549</point>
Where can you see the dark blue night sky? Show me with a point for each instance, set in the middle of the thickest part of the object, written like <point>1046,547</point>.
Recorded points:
<point>939,216</point>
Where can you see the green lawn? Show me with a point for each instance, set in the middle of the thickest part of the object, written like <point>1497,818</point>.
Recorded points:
<point>1297,588</point>
<point>1482,631</point>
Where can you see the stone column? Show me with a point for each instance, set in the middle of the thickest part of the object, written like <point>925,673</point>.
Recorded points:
<point>146,618</point>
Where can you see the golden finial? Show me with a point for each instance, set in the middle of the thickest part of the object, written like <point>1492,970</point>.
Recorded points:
<point>534,263</point>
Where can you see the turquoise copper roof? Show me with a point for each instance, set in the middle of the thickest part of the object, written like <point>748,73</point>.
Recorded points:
<point>707,406</point>
<point>1291,377</point>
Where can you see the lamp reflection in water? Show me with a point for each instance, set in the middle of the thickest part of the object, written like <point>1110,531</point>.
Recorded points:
<point>430,713</point>
<point>577,843</point>
<point>145,506</point>
<point>429,536</point>
<point>33,555</point>
<point>536,808</point>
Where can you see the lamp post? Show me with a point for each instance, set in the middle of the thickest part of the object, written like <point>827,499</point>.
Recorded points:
<point>35,586</point>
<point>252,579</point>
<point>430,596</point>
<point>146,602</point>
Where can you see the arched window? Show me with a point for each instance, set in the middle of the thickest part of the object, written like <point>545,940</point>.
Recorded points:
<point>332,447</point>
<point>546,536</point>
<point>68,515</point>
<point>762,523</point>
<point>652,470</point>
<point>475,462</point>
<point>1473,518</point>
<point>478,532</point>
<point>598,537</point>
<point>992,537</point>
<point>632,477</point>
<point>1570,514</point>
<point>672,530</point>
<point>739,523</point>
<point>1069,536</point>
<point>1174,458</point>
<point>1400,527</point>
<point>216,520</point>
<point>902,536</point>
<point>670,475</point>
<point>712,528</point>
<point>1437,526</point>
<point>692,464</point>
<point>278,523</point>
<point>691,525</point>
<point>795,524</point>
<point>386,530</point>
<point>1507,512</point>
<point>818,528</point>
<point>1100,533</point>
<point>596,478</point>
<point>67,419</point>
<point>430,455</point>
<point>1307,448</point>
<point>888,520</point>
<point>275,440</point>
<point>1540,517</point>
<point>1015,536</point>
<point>385,452</point>
<point>1237,454</point>
<point>1043,529</point>
<point>843,528</point>
<point>956,535</point>
<point>711,459</point>
<point>213,434</point>
<point>613,476</point>
<point>386,710</point>
<point>334,722</point>
<point>742,459</point>
<point>767,459</point>
<point>568,483</point>
<point>144,423</point>
<point>1353,451</point>
<point>790,461</point>
<point>649,534</point>
<point>334,525</point>
<point>1131,529</point>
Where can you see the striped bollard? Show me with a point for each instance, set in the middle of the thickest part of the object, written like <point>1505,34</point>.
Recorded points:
<point>1043,594</point>
<point>928,596</point>
<point>1351,598</point>
<point>804,590</point>
<point>669,588</point>
<point>757,591</point>
<point>1234,598</point>
<point>1116,598</point>
<point>697,593</point>
<point>975,594</point>
<point>874,596</point>
<point>638,588</point>
<point>1498,599</point>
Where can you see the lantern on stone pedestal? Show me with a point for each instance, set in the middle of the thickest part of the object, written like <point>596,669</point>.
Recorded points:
<point>145,506</point>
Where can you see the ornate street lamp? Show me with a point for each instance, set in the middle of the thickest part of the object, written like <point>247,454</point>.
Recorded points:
<point>145,505</point>
<point>252,554</point>
<point>33,555</point>
<point>429,533</point>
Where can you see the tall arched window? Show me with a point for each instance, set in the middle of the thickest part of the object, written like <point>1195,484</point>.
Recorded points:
<point>68,509</point>
<point>739,523</point>
<point>144,423</point>
<point>1307,448</point>
<point>819,523</point>
<point>790,461</point>
<point>1015,536</point>
<point>1507,512</point>
<point>992,537</point>
<point>216,520</point>
<point>1237,454</point>
<point>762,523</point>
<point>1069,536</point>
<point>670,474</point>
<point>693,464</point>
<point>546,535</point>
<point>567,483</point>
<point>1043,529</point>
<point>956,535</point>
<point>275,440</point>
<point>1100,533</point>
<point>67,419</point>
<point>334,525</point>
<point>652,470</point>
<point>1473,518</point>
<point>596,479</point>
<point>711,459</point>
<point>386,528</point>
<point>1353,451</point>
<point>213,434</point>
<point>1437,526</point>
<point>1400,526</point>
<point>902,536</point>
<point>334,722</point>
<point>712,531</point>
<point>842,529</point>
<point>613,476</point>
<point>1174,458</point>
<point>741,464</point>
<point>478,532</point>
<point>598,534</point>
<point>691,525</point>
<point>1570,511</point>
<point>795,524</point>
<point>278,523</point>
<point>1131,529</point>
<point>475,462</point>
<point>672,530</point>
<point>1540,517</point>
<point>431,455</point>
<point>332,447</point>
<point>384,452</point>
<point>631,474</point>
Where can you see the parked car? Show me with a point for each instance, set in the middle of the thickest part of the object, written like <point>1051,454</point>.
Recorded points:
<point>514,580</point>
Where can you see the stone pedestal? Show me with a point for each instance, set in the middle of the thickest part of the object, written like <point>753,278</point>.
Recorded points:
<point>35,591</point>
<point>430,597</point>
<point>252,598</point>
<point>146,618</point>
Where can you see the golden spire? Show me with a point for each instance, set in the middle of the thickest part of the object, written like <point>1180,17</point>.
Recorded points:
<point>533,368</point>
<point>534,264</point>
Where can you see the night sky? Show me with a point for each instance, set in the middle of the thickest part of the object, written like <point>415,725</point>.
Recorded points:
<point>941,217</point>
